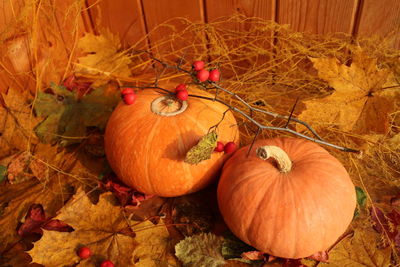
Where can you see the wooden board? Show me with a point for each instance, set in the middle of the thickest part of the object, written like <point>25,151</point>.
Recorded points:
<point>264,9</point>
<point>318,16</point>
<point>37,44</point>
<point>122,17</point>
<point>380,17</point>
<point>166,11</point>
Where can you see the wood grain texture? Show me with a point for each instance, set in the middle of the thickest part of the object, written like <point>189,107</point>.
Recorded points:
<point>318,16</point>
<point>122,17</point>
<point>164,11</point>
<point>264,9</point>
<point>381,18</point>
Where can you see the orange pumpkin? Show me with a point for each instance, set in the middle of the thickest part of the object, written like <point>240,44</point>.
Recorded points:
<point>146,142</point>
<point>289,198</point>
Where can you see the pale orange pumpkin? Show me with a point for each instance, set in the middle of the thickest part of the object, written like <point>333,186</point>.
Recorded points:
<point>290,205</point>
<point>146,142</point>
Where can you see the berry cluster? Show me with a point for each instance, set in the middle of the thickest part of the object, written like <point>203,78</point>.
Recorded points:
<point>181,92</point>
<point>228,148</point>
<point>85,253</point>
<point>128,95</point>
<point>203,74</point>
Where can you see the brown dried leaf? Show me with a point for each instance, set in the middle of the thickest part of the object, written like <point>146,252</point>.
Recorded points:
<point>102,227</point>
<point>359,250</point>
<point>359,102</point>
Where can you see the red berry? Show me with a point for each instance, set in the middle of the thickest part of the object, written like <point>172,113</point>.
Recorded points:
<point>202,75</point>
<point>219,147</point>
<point>214,75</point>
<point>182,95</point>
<point>198,65</point>
<point>84,253</point>
<point>129,99</point>
<point>127,91</point>
<point>179,87</point>
<point>230,147</point>
<point>107,263</point>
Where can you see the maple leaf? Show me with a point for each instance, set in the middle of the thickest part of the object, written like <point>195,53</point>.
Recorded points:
<point>102,227</point>
<point>200,250</point>
<point>359,102</point>
<point>154,247</point>
<point>359,250</point>
<point>203,150</point>
<point>68,117</point>
<point>16,199</point>
<point>103,56</point>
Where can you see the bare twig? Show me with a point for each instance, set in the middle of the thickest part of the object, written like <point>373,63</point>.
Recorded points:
<point>212,85</point>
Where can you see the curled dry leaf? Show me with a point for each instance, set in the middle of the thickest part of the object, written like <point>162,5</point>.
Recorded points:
<point>36,219</point>
<point>203,149</point>
<point>359,103</point>
<point>102,227</point>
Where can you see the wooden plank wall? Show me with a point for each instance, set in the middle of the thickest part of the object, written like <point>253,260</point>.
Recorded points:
<point>132,19</point>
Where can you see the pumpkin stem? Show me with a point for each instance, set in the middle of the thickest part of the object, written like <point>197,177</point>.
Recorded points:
<point>168,106</point>
<point>278,154</point>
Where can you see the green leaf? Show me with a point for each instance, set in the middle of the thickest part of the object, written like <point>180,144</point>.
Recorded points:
<point>200,250</point>
<point>3,172</point>
<point>67,117</point>
<point>361,197</point>
<point>203,150</point>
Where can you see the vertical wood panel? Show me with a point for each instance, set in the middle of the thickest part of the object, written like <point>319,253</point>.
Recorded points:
<point>250,8</point>
<point>160,11</point>
<point>318,16</point>
<point>122,17</point>
<point>37,37</point>
<point>380,17</point>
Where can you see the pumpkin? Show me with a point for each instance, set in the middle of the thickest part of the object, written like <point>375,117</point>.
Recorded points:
<point>289,197</point>
<point>146,142</point>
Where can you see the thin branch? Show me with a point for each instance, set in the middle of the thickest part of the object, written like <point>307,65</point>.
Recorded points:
<point>206,86</point>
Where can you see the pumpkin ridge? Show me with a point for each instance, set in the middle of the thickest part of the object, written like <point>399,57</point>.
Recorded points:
<point>262,201</point>
<point>296,209</point>
<point>150,140</point>
<point>182,143</point>
<point>306,184</point>
<point>194,121</point>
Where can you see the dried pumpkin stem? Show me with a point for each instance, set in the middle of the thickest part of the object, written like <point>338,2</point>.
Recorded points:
<point>166,102</point>
<point>278,154</point>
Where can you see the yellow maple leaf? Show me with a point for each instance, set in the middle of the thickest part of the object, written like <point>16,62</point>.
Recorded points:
<point>103,56</point>
<point>360,102</point>
<point>154,247</point>
<point>102,227</point>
